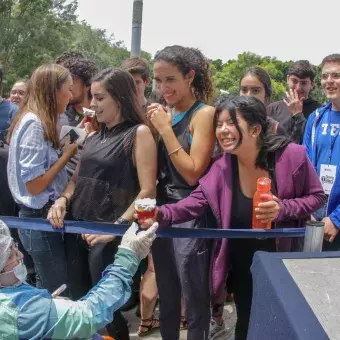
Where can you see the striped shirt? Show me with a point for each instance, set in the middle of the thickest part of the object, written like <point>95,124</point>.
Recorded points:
<point>30,156</point>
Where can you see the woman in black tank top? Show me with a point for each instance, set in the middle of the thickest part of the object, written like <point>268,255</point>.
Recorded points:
<point>184,152</point>
<point>118,164</point>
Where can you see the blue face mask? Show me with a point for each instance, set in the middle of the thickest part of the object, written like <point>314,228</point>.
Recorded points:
<point>20,272</point>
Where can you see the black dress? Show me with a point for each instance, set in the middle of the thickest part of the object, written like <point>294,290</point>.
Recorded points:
<point>106,186</point>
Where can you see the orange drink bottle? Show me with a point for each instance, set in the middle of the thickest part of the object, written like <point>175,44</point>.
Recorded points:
<point>262,194</point>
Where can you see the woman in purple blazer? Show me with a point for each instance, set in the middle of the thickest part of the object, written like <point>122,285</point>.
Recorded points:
<point>250,151</point>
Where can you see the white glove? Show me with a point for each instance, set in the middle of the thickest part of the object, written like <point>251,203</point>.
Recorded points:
<point>139,243</point>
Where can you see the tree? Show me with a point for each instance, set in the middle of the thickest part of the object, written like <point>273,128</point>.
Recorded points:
<point>229,77</point>
<point>32,33</point>
<point>36,32</point>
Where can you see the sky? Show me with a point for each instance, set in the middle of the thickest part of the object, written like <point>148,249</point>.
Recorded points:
<point>222,29</point>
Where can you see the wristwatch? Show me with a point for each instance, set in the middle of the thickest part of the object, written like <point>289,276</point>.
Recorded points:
<point>122,220</point>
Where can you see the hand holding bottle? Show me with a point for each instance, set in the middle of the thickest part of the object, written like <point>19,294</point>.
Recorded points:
<point>265,205</point>
<point>267,211</point>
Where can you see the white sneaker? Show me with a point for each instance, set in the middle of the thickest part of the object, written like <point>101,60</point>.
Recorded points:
<point>216,330</point>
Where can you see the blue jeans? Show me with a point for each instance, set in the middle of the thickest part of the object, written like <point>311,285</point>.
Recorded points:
<point>320,213</point>
<point>47,250</point>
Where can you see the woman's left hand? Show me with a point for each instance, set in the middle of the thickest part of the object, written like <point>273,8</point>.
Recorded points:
<point>159,117</point>
<point>93,239</point>
<point>268,211</point>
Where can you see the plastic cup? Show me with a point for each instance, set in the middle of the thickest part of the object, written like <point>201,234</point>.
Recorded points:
<point>145,208</point>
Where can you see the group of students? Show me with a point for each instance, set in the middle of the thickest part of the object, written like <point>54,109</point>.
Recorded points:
<point>200,162</point>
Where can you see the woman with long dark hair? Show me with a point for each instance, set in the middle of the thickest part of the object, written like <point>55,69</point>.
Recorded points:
<point>117,166</point>
<point>256,82</point>
<point>251,151</point>
<point>185,149</point>
<point>36,172</point>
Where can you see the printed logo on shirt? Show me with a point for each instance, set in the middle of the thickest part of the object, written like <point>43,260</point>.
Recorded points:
<point>332,129</point>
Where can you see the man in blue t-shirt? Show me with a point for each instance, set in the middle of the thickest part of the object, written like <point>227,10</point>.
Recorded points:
<point>323,148</point>
<point>7,112</point>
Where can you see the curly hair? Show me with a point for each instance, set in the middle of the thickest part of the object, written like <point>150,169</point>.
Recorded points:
<point>187,59</point>
<point>81,68</point>
<point>69,54</point>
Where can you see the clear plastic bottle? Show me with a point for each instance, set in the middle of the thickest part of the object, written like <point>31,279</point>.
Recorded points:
<point>262,194</point>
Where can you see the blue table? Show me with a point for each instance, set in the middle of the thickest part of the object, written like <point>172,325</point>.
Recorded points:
<point>279,309</point>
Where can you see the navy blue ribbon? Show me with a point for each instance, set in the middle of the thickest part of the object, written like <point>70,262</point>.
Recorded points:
<point>81,227</point>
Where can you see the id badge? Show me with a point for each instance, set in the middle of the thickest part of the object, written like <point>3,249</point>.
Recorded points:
<point>327,177</point>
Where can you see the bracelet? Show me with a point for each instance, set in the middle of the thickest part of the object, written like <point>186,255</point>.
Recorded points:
<point>172,152</point>
<point>67,200</point>
<point>122,220</point>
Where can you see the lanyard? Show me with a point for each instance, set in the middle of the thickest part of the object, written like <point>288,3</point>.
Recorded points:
<point>333,139</point>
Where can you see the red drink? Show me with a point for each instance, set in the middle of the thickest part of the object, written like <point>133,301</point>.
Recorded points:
<point>262,194</point>
<point>88,119</point>
<point>89,114</point>
<point>144,215</point>
<point>145,208</point>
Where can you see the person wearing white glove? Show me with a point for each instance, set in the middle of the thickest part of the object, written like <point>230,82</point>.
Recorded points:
<point>32,313</point>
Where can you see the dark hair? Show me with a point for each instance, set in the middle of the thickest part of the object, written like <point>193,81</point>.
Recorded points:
<point>302,69</point>
<point>254,113</point>
<point>69,54</point>
<point>332,58</point>
<point>121,87</point>
<point>84,69</point>
<point>263,77</point>
<point>187,59</point>
<point>137,65</point>
<point>156,97</point>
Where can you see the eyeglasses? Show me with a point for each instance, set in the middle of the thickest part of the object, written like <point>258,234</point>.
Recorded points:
<point>334,76</point>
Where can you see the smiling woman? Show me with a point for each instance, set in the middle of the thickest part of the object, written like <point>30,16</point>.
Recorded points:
<point>185,149</point>
<point>251,151</point>
<point>118,164</point>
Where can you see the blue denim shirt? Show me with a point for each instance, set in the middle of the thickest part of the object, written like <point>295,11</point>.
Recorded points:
<point>30,156</point>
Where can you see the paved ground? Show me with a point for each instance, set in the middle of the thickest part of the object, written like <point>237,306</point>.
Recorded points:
<point>229,317</point>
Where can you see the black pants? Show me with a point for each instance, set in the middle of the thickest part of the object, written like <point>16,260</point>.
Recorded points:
<point>85,268</point>
<point>182,268</point>
<point>332,246</point>
<point>242,287</point>
<point>242,252</point>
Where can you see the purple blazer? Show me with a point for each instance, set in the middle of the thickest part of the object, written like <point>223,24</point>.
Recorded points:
<point>299,191</point>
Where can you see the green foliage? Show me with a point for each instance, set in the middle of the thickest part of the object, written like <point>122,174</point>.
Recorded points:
<point>37,32</point>
<point>33,32</point>
<point>228,77</point>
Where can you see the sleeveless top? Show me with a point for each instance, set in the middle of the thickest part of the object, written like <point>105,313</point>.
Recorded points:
<point>171,185</point>
<point>107,182</point>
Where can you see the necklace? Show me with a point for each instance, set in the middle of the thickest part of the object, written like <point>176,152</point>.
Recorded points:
<point>106,137</point>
